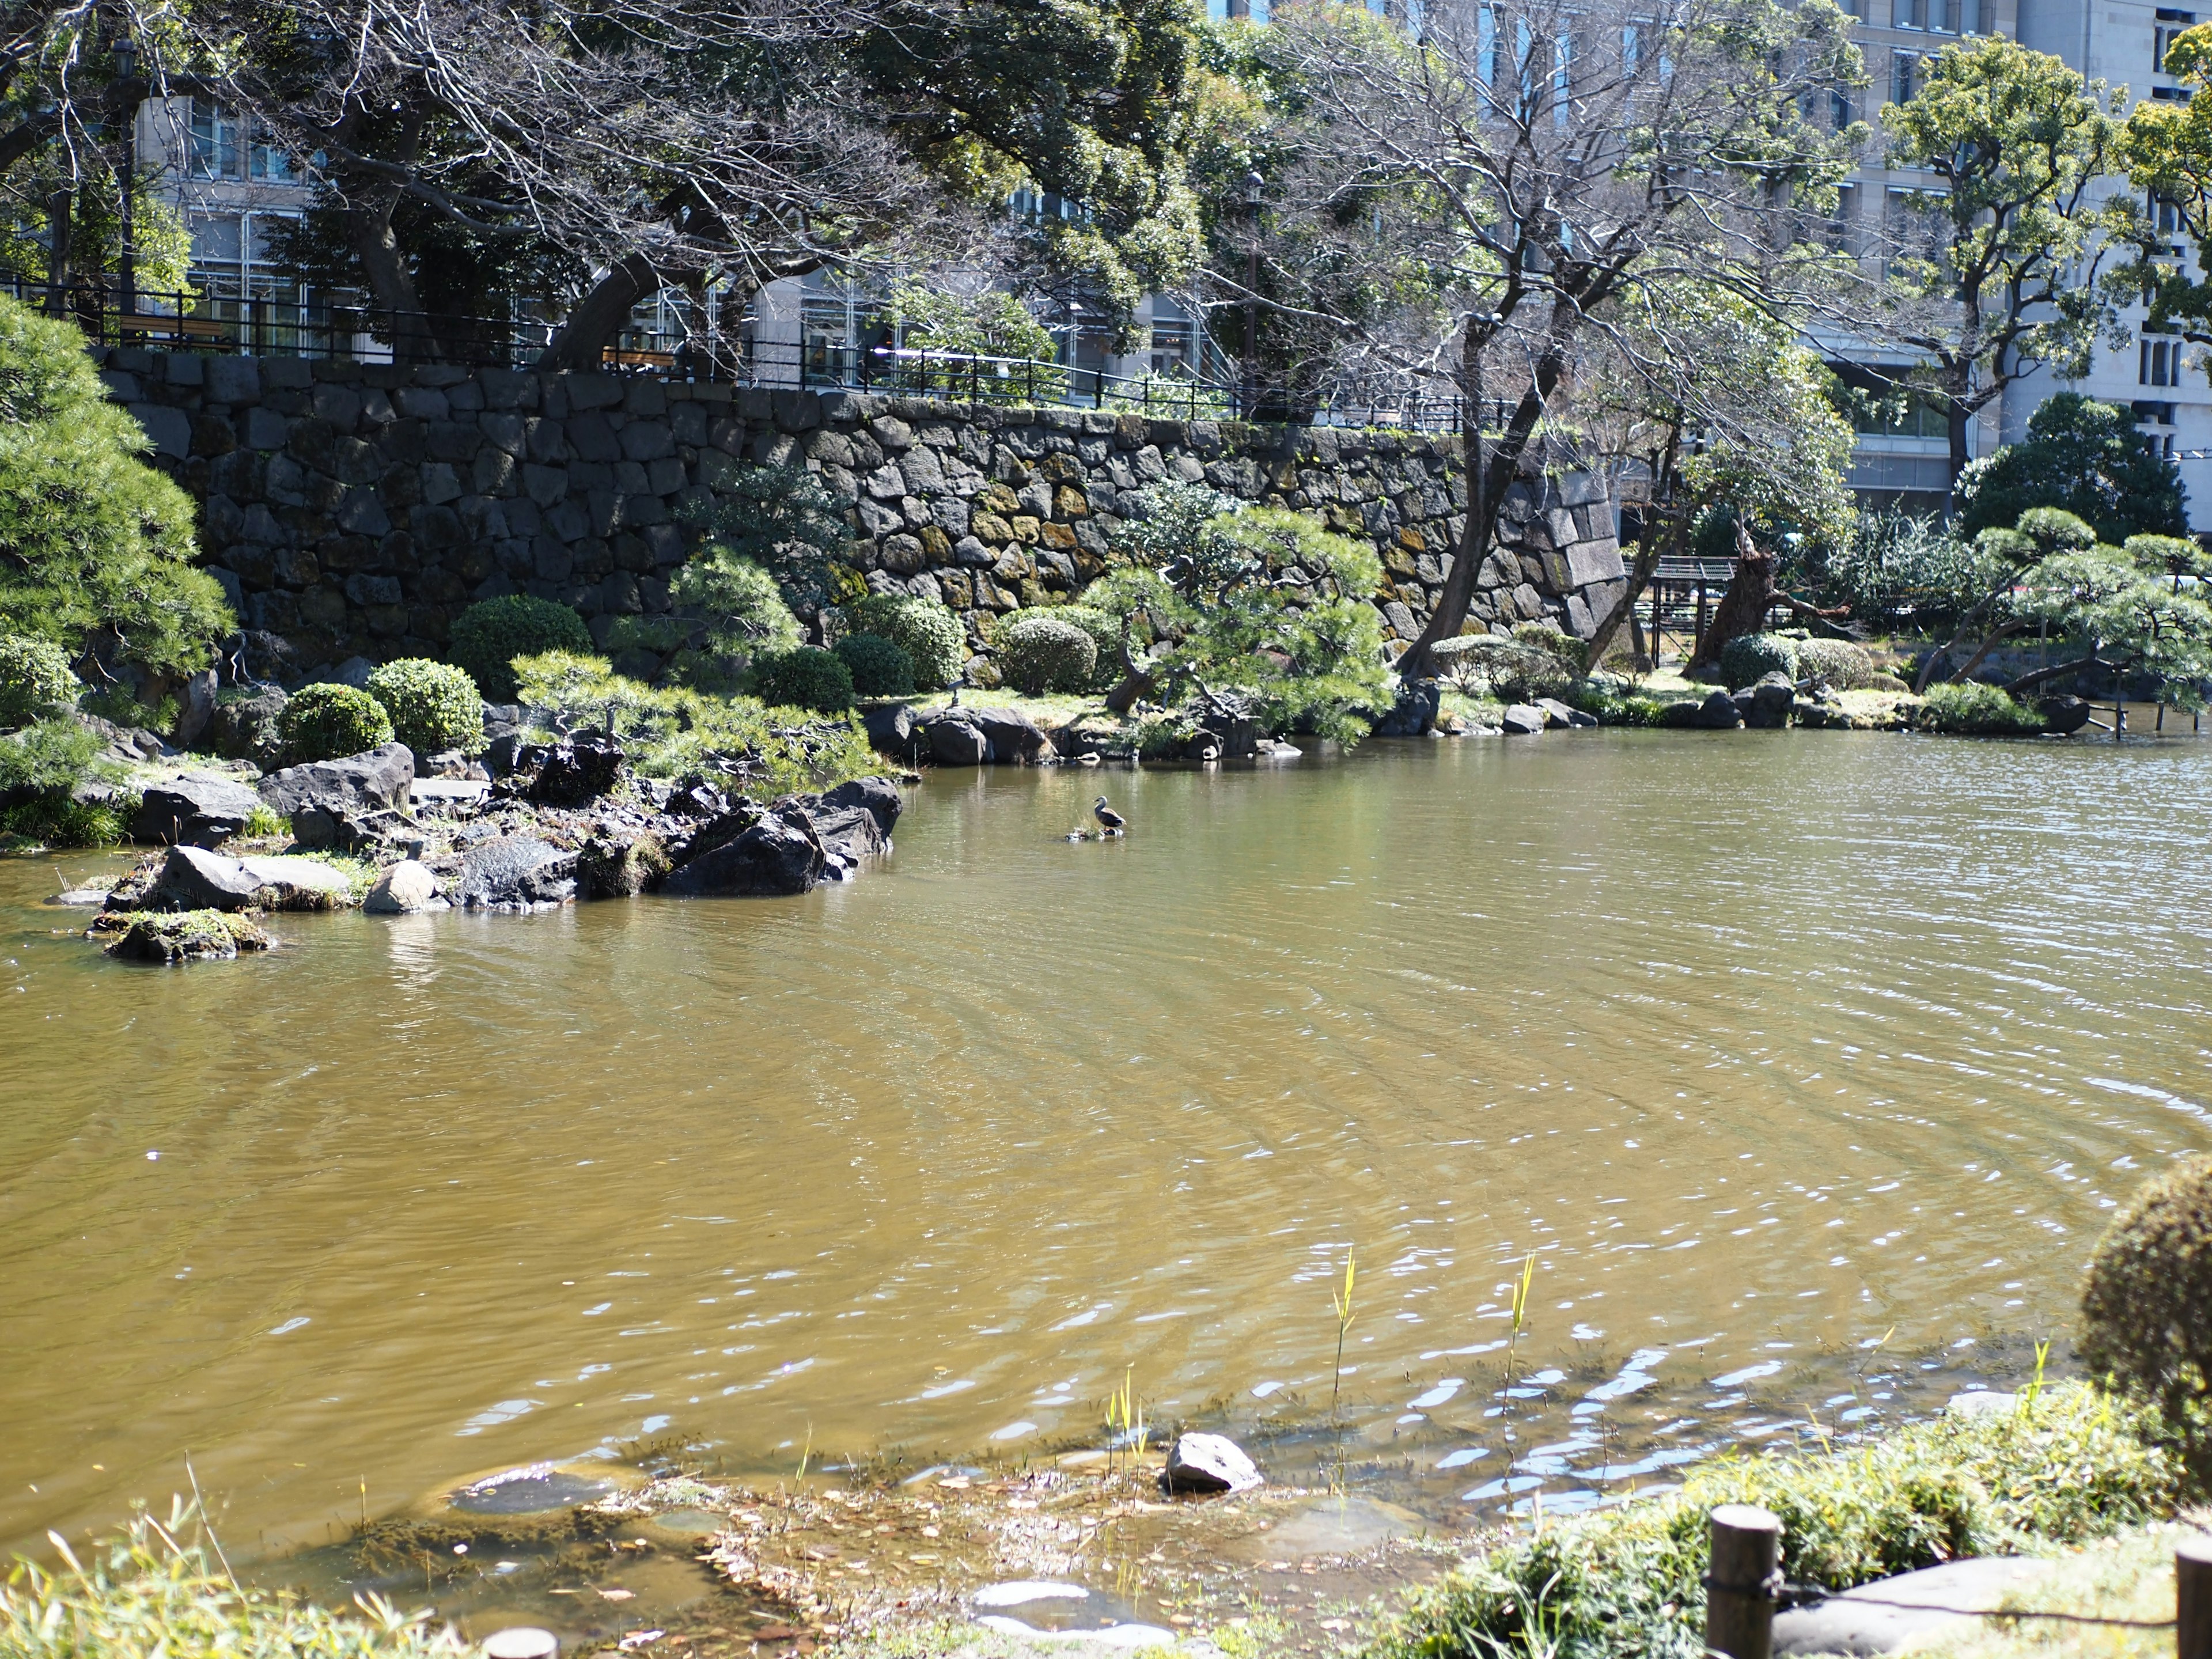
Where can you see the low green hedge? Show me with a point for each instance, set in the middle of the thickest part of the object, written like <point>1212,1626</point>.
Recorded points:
<point>1749,658</point>
<point>806,677</point>
<point>35,678</point>
<point>879,667</point>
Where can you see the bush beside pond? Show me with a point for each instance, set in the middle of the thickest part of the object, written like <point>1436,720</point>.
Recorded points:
<point>2071,1463</point>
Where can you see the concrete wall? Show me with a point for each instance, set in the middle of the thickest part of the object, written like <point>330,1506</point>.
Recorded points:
<point>355,508</point>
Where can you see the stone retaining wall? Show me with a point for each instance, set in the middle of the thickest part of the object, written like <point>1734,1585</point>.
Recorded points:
<point>355,508</point>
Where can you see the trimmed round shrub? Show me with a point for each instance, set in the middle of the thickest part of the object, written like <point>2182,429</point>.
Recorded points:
<point>929,634</point>
<point>434,706</point>
<point>878,667</point>
<point>329,722</point>
<point>1750,658</point>
<point>2146,1303</point>
<point>1974,710</point>
<point>807,677</point>
<point>35,677</point>
<point>1838,663</point>
<point>1105,633</point>
<point>489,636</point>
<point>1039,655</point>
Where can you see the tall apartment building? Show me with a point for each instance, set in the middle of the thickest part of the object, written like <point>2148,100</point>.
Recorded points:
<point>2122,42</point>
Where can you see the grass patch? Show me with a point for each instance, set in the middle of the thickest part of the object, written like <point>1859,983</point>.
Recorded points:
<point>152,1589</point>
<point>1969,708</point>
<point>2070,1465</point>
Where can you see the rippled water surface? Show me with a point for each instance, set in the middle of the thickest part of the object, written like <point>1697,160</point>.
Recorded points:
<point>1765,1047</point>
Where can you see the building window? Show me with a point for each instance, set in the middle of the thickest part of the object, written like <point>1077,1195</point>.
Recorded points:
<point>2167,29</point>
<point>1838,235</point>
<point>1904,76</point>
<point>215,141</point>
<point>1841,115</point>
<point>1909,14</point>
<point>2160,363</point>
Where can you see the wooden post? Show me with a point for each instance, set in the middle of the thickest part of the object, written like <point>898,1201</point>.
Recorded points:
<point>1742,1580</point>
<point>2192,1598</point>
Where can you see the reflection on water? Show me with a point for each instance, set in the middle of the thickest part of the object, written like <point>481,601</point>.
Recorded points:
<point>1765,1047</point>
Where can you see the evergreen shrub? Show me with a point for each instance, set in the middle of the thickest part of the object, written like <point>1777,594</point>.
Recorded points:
<point>930,635</point>
<point>1040,653</point>
<point>434,706</point>
<point>2147,1305</point>
<point>878,667</point>
<point>1970,709</point>
<point>329,722</point>
<point>1105,633</point>
<point>805,677</point>
<point>35,677</point>
<point>1836,663</point>
<point>1749,658</point>
<point>489,635</point>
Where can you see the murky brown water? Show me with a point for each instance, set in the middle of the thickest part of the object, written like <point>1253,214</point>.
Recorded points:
<point>1765,1046</point>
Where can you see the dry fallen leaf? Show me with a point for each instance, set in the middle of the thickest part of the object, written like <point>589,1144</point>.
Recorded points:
<point>616,1594</point>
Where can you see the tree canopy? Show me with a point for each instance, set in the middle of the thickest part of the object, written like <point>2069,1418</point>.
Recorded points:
<point>2085,458</point>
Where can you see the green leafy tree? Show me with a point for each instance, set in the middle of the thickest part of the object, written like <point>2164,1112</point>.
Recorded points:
<point>1253,612</point>
<point>1998,275</point>
<point>2087,457</point>
<point>2132,608</point>
<point>743,611</point>
<point>96,547</point>
<point>782,519</point>
<point>984,323</point>
<point>2167,148</point>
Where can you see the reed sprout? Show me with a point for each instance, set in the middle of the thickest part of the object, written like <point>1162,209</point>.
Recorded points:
<point>1520,1316</point>
<point>1342,1302</point>
<point>1125,1426</point>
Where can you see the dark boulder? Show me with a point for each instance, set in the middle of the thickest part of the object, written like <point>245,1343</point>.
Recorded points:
<point>1014,738</point>
<point>879,795</point>
<point>242,725</point>
<point>957,742</point>
<point>696,797</point>
<point>193,879</point>
<point>620,864</point>
<point>336,827</point>
<point>779,854</point>
<point>1415,713</point>
<point>1718,712</point>
<point>376,781</point>
<point>193,810</point>
<point>575,771</point>
<point>890,730</point>
<point>500,754</point>
<point>848,835</point>
<point>2063,715</point>
<point>514,872</point>
<point>1765,707</point>
<point>1523,719</point>
<point>1559,716</point>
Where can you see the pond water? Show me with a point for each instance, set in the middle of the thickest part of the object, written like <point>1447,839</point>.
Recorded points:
<point>1770,1049</point>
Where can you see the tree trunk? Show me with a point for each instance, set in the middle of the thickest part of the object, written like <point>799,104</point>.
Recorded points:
<point>60,229</point>
<point>1955,419</point>
<point>1490,471</point>
<point>1742,610</point>
<point>2036,675</point>
<point>582,341</point>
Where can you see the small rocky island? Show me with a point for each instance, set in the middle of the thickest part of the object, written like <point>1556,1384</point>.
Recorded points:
<point>565,821</point>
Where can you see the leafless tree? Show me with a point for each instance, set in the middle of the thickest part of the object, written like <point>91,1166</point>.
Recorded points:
<point>1505,175</point>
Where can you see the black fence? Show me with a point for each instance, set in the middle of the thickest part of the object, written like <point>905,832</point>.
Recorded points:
<point>319,328</point>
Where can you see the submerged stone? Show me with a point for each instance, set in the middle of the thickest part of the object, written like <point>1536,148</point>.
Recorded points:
<point>531,1491</point>
<point>1209,1463</point>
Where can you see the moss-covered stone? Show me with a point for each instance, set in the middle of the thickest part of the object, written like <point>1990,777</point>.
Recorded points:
<point>182,936</point>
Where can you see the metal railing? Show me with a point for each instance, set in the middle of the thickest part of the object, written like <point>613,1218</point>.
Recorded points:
<point>317,327</point>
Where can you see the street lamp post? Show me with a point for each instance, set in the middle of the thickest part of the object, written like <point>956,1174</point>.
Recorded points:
<point>1252,183</point>
<point>126,70</point>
